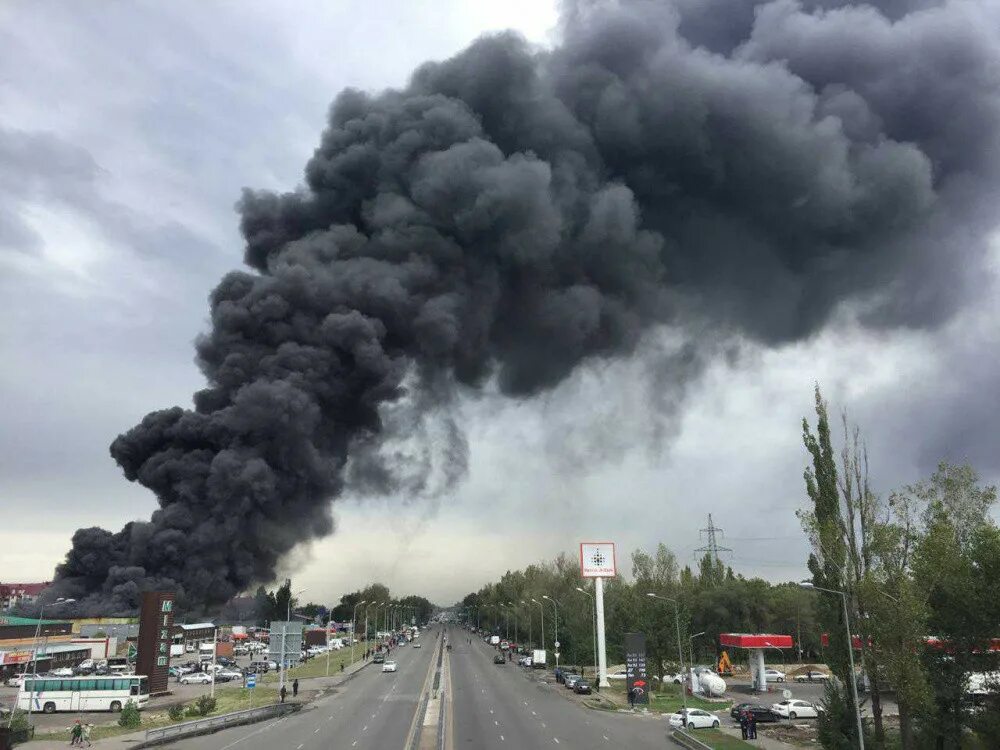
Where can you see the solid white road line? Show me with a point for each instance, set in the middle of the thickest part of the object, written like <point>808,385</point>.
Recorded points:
<point>556,740</point>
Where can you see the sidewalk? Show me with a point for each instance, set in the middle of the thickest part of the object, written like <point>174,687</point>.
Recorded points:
<point>319,684</point>
<point>767,743</point>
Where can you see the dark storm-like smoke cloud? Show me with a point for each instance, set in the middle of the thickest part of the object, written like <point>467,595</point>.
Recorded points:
<point>514,213</point>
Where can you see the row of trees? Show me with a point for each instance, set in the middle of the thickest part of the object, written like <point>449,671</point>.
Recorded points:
<point>921,560</point>
<point>382,609</point>
<point>710,598</point>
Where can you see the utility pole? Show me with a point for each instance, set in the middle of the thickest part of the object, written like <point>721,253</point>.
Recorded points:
<point>712,547</point>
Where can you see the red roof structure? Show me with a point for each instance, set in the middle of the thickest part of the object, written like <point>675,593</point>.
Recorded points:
<point>755,640</point>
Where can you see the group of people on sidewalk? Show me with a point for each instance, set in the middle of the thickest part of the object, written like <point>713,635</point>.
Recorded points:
<point>748,725</point>
<point>80,733</point>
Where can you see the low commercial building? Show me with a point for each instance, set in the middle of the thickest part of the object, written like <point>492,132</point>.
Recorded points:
<point>48,658</point>
<point>194,634</point>
<point>20,628</point>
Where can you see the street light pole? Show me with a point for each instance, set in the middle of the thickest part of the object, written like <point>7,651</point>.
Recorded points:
<point>529,623</point>
<point>850,658</point>
<point>556,608</point>
<point>691,645</point>
<point>680,648</point>
<point>543,620</point>
<point>514,610</point>
<point>593,630</point>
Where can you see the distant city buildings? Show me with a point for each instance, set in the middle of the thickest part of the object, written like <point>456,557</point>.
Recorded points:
<point>20,594</point>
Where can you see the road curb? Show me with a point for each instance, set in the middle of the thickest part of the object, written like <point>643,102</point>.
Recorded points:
<point>266,712</point>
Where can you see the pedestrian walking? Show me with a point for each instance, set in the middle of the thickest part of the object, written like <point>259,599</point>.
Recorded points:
<point>283,691</point>
<point>295,688</point>
<point>631,700</point>
<point>75,733</point>
<point>744,724</point>
<point>753,726</point>
<point>341,666</point>
<point>85,737</point>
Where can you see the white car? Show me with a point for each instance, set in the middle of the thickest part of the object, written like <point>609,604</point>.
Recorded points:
<point>62,672</point>
<point>389,666</point>
<point>416,645</point>
<point>795,709</point>
<point>773,675</point>
<point>693,718</point>
<point>812,675</point>
<point>196,678</point>
<point>16,681</point>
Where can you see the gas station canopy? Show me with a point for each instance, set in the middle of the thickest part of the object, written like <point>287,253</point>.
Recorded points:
<point>755,640</point>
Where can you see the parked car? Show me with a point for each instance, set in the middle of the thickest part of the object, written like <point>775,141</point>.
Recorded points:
<point>226,661</point>
<point>62,672</point>
<point>582,687</point>
<point>693,718</point>
<point>796,709</point>
<point>228,675</point>
<point>760,713</point>
<point>416,645</point>
<point>196,678</point>
<point>571,680</point>
<point>16,681</point>
<point>773,675</point>
<point>812,675</point>
<point>379,658</point>
<point>389,666</point>
<point>677,679</point>
<point>498,659</point>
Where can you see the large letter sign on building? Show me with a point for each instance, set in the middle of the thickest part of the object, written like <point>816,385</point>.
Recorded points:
<point>156,621</point>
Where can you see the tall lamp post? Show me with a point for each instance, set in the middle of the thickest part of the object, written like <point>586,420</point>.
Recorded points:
<point>850,657</point>
<point>680,648</point>
<point>556,608</point>
<point>354,636</point>
<point>593,630</point>
<point>513,608</point>
<point>529,622</point>
<point>542,608</point>
<point>34,660</point>
<point>691,645</point>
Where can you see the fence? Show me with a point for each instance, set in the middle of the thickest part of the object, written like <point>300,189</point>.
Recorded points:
<point>215,723</point>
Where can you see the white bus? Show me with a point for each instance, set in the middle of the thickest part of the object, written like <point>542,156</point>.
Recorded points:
<point>111,693</point>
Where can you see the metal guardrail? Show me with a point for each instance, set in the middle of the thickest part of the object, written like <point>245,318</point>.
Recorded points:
<point>685,740</point>
<point>217,722</point>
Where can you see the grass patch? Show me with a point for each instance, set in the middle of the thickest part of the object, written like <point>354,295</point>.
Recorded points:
<point>671,700</point>
<point>228,700</point>
<point>316,667</point>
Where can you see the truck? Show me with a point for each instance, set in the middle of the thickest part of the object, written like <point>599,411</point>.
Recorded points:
<point>538,659</point>
<point>176,649</point>
<point>494,640</point>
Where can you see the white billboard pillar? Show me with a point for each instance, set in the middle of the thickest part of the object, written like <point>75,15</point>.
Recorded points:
<point>597,561</point>
<point>602,655</point>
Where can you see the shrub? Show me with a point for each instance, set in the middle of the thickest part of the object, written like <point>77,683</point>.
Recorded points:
<point>130,717</point>
<point>176,713</point>
<point>206,704</point>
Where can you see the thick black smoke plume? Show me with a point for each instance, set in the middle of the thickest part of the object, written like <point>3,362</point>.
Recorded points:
<point>514,213</point>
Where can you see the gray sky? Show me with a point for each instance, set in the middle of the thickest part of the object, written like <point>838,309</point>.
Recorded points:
<point>126,136</point>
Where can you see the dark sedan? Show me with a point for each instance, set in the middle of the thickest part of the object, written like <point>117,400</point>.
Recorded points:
<point>581,687</point>
<point>761,713</point>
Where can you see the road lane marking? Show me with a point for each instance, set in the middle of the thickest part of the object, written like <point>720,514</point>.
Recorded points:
<point>606,738</point>
<point>533,713</point>
<point>496,722</point>
<point>365,729</point>
<point>316,730</point>
<point>300,746</point>
<point>556,739</point>
<point>501,738</point>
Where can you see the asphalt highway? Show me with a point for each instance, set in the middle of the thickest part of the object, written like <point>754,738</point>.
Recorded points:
<point>371,710</point>
<point>508,707</point>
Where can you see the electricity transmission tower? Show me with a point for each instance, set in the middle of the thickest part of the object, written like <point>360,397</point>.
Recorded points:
<point>712,548</point>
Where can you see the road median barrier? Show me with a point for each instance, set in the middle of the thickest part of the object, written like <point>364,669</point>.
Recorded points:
<point>685,740</point>
<point>209,725</point>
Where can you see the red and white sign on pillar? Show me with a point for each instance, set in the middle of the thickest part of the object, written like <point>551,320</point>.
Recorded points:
<point>597,561</point>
